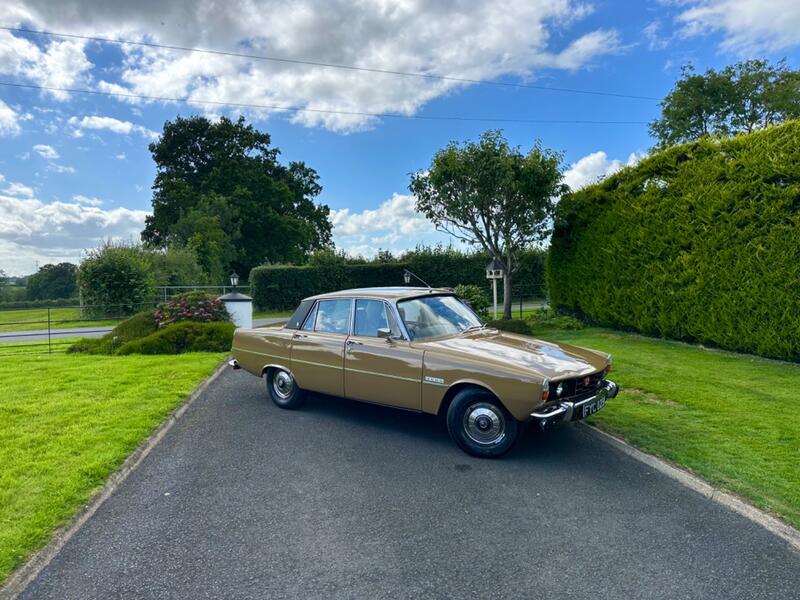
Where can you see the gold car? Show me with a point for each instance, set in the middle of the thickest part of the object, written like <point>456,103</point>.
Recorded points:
<point>425,350</point>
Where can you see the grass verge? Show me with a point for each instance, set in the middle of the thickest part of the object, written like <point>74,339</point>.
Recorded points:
<point>732,419</point>
<point>68,421</point>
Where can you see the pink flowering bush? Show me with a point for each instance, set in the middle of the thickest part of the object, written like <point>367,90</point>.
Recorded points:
<point>193,306</point>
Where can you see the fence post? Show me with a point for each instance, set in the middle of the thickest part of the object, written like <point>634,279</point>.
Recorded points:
<point>49,344</point>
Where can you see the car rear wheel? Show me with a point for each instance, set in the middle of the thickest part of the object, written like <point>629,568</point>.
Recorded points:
<point>480,425</point>
<point>283,389</point>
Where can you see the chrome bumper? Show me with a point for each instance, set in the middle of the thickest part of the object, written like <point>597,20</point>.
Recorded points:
<point>559,411</point>
<point>234,364</point>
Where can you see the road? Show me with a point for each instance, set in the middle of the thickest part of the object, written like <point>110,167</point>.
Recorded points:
<point>344,500</point>
<point>41,335</point>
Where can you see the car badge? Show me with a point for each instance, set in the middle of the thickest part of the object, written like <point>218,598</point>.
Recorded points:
<point>586,380</point>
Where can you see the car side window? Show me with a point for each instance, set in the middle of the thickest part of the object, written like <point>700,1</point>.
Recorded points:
<point>333,316</point>
<point>370,316</point>
<point>310,319</point>
<point>296,320</point>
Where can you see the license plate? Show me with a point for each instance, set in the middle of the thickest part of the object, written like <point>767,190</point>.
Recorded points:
<point>592,407</point>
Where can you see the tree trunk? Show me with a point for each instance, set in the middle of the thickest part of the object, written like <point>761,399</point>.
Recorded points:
<point>507,292</point>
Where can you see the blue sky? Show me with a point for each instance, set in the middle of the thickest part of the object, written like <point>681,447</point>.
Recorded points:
<point>75,168</point>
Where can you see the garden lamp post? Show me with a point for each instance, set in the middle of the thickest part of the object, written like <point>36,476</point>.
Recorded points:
<point>239,306</point>
<point>407,275</point>
<point>494,271</point>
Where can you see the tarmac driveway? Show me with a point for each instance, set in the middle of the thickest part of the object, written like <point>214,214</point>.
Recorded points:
<point>343,500</point>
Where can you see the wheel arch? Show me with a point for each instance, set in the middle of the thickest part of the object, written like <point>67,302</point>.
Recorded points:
<point>457,387</point>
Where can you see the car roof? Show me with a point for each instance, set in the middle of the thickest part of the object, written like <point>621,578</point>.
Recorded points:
<point>386,293</point>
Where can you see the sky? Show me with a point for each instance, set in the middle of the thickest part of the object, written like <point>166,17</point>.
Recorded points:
<point>75,168</point>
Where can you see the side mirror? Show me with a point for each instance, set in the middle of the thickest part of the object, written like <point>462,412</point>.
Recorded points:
<point>385,333</point>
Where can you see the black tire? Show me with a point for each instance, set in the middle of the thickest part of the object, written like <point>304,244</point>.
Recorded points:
<point>283,389</point>
<point>480,424</point>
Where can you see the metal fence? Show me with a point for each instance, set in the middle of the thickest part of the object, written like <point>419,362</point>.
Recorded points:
<point>49,330</point>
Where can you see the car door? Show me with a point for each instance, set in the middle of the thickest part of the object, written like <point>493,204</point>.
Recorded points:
<point>317,355</point>
<point>385,371</point>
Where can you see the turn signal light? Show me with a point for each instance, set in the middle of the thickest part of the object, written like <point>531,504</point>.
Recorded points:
<point>545,389</point>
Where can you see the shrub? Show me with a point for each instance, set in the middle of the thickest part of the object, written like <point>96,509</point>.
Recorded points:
<point>548,319</point>
<point>191,306</point>
<point>283,286</point>
<point>698,242</point>
<point>477,298</point>
<point>115,277</point>
<point>188,336</point>
<point>511,325</point>
<point>138,326</point>
<point>176,265</point>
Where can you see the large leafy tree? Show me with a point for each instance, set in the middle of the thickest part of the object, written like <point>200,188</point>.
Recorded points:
<point>53,281</point>
<point>489,194</point>
<point>740,98</point>
<point>220,190</point>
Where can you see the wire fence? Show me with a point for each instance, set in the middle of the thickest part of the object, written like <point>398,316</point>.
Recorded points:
<point>51,330</point>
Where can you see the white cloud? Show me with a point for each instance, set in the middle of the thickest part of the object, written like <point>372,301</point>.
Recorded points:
<point>81,199</point>
<point>33,230</point>
<point>60,168</point>
<point>19,190</point>
<point>120,156</point>
<point>748,26</point>
<point>595,167</point>
<point>394,225</point>
<point>9,120</point>
<point>459,38</point>
<point>46,151</point>
<point>56,63</point>
<point>109,124</point>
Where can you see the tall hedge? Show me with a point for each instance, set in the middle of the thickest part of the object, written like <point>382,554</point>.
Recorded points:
<point>699,242</point>
<point>281,286</point>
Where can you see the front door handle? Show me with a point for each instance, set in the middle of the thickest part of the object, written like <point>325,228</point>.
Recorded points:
<point>298,336</point>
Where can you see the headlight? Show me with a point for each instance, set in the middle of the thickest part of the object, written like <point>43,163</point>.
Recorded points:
<point>559,390</point>
<point>545,389</point>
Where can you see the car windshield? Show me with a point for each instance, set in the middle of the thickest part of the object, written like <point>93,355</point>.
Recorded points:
<point>434,316</point>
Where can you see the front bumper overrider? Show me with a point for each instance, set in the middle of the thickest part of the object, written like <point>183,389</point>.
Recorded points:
<point>558,411</point>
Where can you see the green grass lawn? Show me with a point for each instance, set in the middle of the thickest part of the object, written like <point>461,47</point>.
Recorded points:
<point>36,318</point>
<point>68,421</point>
<point>272,314</point>
<point>733,419</point>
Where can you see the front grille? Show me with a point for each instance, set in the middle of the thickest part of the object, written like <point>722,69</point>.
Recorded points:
<point>578,388</point>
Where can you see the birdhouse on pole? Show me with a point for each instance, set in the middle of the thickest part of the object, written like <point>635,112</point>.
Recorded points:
<point>494,271</point>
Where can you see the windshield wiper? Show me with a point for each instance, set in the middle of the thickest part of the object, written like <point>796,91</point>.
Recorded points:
<point>472,328</point>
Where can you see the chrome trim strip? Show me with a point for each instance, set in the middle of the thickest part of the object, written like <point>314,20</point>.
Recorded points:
<point>234,349</point>
<point>381,374</point>
<point>316,364</point>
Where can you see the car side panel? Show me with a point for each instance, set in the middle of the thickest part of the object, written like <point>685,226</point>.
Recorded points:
<point>317,361</point>
<point>519,392</point>
<point>256,349</point>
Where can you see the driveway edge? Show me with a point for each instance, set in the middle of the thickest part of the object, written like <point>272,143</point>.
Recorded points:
<point>693,482</point>
<point>23,576</point>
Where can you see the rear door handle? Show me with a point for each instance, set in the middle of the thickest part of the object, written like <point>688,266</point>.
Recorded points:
<point>351,343</point>
<point>298,336</point>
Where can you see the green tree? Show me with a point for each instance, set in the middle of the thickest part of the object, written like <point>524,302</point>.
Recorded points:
<point>489,194</point>
<point>220,190</point>
<point>176,265</point>
<point>53,281</point>
<point>740,98</point>
<point>116,278</point>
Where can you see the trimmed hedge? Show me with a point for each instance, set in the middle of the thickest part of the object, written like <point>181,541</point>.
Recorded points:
<point>137,326</point>
<point>186,336</point>
<point>54,303</point>
<point>281,286</point>
<point>700,242</point>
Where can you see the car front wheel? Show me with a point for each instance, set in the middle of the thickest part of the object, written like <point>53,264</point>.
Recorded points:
<point>480,425</point>
<point>283,389</point>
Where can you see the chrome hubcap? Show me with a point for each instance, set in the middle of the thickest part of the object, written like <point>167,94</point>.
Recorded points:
<point>484,424</point>
<point>283,384</point>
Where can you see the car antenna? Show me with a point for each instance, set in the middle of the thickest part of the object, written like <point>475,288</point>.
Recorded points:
<point>407,275</point>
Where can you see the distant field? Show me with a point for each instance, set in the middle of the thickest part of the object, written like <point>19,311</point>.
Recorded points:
<point>36,318</point>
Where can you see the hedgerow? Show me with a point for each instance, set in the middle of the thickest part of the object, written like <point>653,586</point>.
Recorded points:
<point>699,242</point>
<point>282,286</point>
